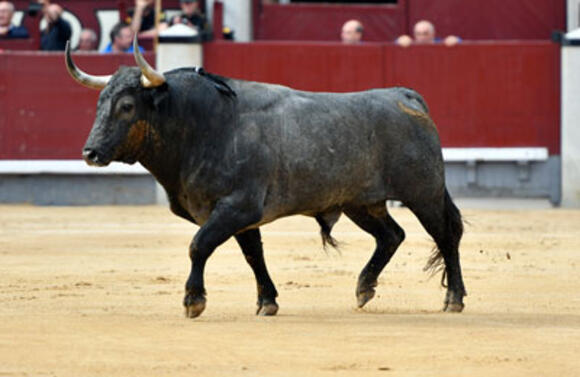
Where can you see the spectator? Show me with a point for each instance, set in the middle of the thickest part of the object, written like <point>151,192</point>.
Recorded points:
<point>352,32</point>
<point>7,29</point>
<point>424,33</point>
<point>121,39</point>
<point>191,16</point>
<point>228,34</point>
<point>142,18</point>
<point>57,31</point>
<point>87,40</point>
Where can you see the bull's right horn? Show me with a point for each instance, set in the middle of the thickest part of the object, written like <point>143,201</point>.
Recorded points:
<point>90,81</point>
<point>150,78</point>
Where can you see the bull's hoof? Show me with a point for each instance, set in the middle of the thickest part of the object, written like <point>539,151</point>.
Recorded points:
<point>364,296</point>
<point>194,306</point>
<point>453,307</point>
<point>365,289</point>
<point>267,308</point>
<point>453,302</point>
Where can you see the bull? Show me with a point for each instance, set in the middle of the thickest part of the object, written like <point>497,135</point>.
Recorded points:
<point>233,155</point>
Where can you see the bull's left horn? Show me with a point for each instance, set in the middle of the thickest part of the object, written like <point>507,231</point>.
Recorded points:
<point>150,78</point>
<point>90,81</point>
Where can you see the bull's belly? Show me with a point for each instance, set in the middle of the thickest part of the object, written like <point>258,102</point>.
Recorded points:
<point>320,201</point>
<point>310,196</point>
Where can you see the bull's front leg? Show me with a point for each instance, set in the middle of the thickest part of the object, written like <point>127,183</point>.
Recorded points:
<point>228,217</point>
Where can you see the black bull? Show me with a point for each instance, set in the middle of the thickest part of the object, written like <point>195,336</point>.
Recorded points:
<point>233,155</point>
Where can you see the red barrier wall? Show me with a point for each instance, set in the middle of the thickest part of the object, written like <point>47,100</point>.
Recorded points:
<point>307,66</point>
<point>485,94</point>
<point>45,114</point>
<point>480,94</point>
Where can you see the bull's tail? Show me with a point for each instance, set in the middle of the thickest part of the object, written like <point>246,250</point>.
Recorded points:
<point>325,229</point>
<point>449,241</point>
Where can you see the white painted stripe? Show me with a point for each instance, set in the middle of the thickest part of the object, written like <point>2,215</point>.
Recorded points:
<point>80,167</point>
<point>65,167</point>
<point>495,154</point>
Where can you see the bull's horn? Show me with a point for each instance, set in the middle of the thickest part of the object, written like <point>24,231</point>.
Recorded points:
<point>90,81</point>
<point>150,78</point>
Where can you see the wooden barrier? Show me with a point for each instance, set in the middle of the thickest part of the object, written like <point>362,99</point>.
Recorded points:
<point>44,113</point>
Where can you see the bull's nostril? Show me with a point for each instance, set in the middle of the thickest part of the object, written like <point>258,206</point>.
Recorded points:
<point>89,154</point>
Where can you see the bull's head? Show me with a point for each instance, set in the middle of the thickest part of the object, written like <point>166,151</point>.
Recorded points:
<point>122,122</point>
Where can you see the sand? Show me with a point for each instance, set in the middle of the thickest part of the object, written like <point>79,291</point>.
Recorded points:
<point>97,291</point>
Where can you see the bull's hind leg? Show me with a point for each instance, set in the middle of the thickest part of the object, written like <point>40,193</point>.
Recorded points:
<point>251,243</point>
<point>442,220</point>
<point>388,235</point>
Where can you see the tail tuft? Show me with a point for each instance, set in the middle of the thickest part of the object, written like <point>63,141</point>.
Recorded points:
<point>325,230</point>
<point>453,231</point>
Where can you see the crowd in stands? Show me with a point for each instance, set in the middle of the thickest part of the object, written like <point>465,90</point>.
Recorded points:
<point>142,20</point>
<point>423,33</point>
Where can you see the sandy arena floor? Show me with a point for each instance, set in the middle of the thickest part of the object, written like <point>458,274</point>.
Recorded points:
<point>97,292</point>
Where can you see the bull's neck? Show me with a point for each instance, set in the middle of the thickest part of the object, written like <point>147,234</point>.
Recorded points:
<point>189,133</point>
<point>162,154</point>
<point>174,147</point>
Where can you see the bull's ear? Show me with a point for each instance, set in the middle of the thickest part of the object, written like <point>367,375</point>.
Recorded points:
<point>219,84</point>
<point>159,97</point>
<point>224,89</point>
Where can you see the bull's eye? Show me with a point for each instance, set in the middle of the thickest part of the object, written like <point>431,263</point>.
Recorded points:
<point>127,107</point>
